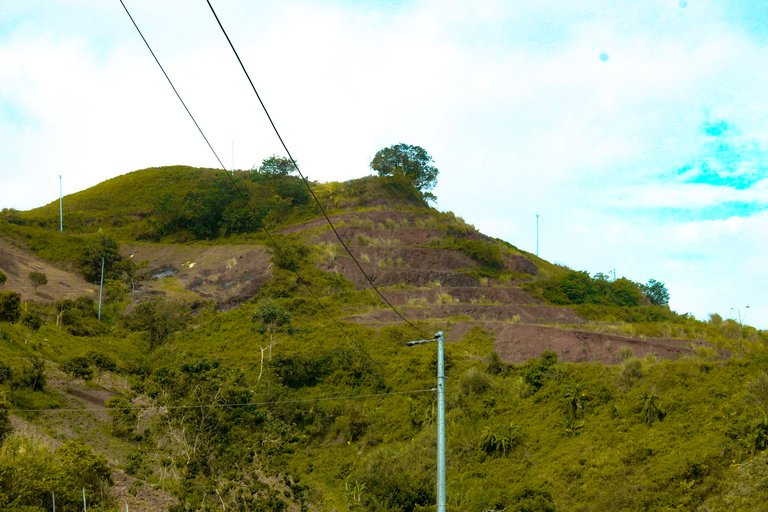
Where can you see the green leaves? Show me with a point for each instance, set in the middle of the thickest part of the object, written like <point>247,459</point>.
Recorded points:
<point>413,162</point>
<point>30,472</point>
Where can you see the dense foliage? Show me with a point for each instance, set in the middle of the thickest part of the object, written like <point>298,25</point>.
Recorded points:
<point>412,162</point>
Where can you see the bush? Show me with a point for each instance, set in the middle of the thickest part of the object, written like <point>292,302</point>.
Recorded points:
<point>159,318</point>
<point>79,367</point>
<point>3,278</point>
<point>289,254</point>
<point>475,382</point>
<point>5,422</point>
<point>32,319</point>
<point>10,303</point>
<point>6,373</point>
<point>536,371</point>
<point>65,471</point>
<point>101,362</point>
<point>500,440</point>
<point>38,279</point>
<point>124,416</point>
<point>31,376</point>
<point>532,500</point>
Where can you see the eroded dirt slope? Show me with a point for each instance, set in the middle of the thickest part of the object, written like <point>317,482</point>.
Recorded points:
<point>17,263</point>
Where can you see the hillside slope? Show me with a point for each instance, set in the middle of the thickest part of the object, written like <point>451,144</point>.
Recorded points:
<point>236,370</point>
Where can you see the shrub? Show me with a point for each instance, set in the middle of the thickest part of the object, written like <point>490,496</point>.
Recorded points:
<point>10,303</point>
<point>500,440</point>
<point>124,416</point>
<point>159,318</point>
<point>3,278</point>
<point>32,319</point>
<point>532,500</point>
<point>289,254</point>
<point>495,364</point>
<point>31,376</point>
<point>38,279</point>
<point>5,422</point>
<point>6,373</point>
<point>475,382</point>
<point>79,367</point>
<point>536,371</point>
<point>101,362</point>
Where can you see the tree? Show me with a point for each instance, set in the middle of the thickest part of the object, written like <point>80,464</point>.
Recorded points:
<point>276,166</point>
<point>656,292</point>
<point>97,248</point>
<point>410,161</point>
<point>10,303</point>
<point>159,318</point>
<point>270,319</point>
<point>38,279</point>
<point>79,367</point>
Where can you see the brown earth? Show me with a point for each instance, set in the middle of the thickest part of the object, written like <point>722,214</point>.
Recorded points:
<point>17,263</point>
<point>228,275</point>
<point>425,282</point>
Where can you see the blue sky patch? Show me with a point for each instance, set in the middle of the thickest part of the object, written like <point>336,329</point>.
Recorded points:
<point>720,211</point>
<point>725,162</point>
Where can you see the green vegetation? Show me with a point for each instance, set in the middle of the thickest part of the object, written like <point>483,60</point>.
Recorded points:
<point>269,404</point>
<point>38,279</point>
<point>411,162</point>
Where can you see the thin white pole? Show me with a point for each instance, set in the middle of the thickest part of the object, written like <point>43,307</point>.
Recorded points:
<point>61,207</point>
<point>85,507</point>
<point>101,286</point>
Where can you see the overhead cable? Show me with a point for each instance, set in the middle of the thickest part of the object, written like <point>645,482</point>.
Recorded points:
<point>306,182</point>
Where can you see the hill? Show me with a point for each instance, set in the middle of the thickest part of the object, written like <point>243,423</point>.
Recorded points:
<point>244,361</point>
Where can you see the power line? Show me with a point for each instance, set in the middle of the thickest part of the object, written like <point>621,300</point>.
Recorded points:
<point>226,406</point>
<point>304,179</point>
<point>242,194</point>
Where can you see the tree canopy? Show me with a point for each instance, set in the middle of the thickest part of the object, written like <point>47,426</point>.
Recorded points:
<point>276,166</point>
<point>656,292</point>
<point>410,161</point>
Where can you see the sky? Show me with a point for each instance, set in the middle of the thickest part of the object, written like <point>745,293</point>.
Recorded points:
<point>637,132</point>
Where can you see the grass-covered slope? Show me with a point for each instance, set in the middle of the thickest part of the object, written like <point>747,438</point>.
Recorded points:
<point>230,373</point>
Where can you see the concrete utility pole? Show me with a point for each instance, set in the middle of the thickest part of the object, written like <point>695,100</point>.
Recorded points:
<point>440,417</point>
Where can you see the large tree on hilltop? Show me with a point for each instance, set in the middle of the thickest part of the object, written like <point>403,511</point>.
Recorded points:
<point>410,161</point>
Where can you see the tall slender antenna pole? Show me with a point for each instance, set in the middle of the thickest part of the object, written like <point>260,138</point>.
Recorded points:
<point>537,234</point>
<point>61,207</point>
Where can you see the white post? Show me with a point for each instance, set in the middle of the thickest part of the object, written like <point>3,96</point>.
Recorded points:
<point>61,207</point>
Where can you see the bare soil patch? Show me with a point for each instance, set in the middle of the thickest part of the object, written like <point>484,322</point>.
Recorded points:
<point>518,343</point>
<point>17,263</point>
<point>226,274</point>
